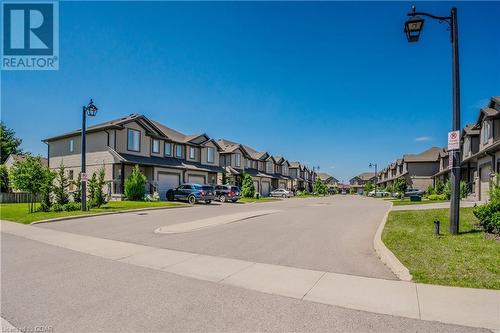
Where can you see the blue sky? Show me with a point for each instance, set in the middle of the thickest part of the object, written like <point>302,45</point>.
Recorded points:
<point>333,84</point>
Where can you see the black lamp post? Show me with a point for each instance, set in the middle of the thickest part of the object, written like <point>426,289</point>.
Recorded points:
<point>376,176</point>
<point>413,28</point>
<point>89,110</point>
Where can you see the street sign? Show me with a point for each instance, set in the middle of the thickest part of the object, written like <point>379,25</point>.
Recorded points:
<point>84,177</point>
<point>454,140</point>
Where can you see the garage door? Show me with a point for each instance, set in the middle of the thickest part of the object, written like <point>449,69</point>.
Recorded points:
<point>266,188</point>
<point>196,179</point>
<point>167,181</point>
<point>485,183</point>
<point>256,185</point>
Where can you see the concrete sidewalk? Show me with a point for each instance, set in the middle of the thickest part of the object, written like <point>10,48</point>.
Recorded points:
<point>462,306</point>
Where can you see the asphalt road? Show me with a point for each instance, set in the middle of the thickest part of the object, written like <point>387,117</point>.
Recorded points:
<point>51,288</point>
<point>333,234</point>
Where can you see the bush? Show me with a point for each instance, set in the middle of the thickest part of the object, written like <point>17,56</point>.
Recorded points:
<point>430,190</point>
<point>439,188</point>
<point>436,197</point>
<point>247,188</point>
<point>319,187</point>
<point>135,185</point>
<point>71,206</point>
<point>57,208</point>
<point>489,217</point>
<point>152,198</point>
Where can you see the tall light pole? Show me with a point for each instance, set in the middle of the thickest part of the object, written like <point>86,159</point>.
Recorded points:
<point>376,176</point>
<point>91,111</point>
<point>413,28</point>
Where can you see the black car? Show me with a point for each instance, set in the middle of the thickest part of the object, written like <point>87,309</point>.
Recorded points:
<point>192,193</point>
<point>224,193</point>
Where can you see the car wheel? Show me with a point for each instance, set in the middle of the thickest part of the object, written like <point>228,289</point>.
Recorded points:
<point>284,195</point>
<point>223,198</point>
<point>191,200</point>
<point>208,202</point>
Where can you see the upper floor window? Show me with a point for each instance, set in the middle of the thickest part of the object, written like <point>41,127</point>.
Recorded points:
<point>155,146</point>
<point>467,145</point>
<point>249,163</point>
<point>178,151</point>
<point>192,153</point>
<point>168,149</point>
<point>71,145</point>
<point>486,131</point>
<point>210,155</point>
<point>237,160</point>
<point>133,140</point>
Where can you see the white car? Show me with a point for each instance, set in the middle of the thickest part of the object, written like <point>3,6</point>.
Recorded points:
<point>378,194</point>
<point>281,192</point>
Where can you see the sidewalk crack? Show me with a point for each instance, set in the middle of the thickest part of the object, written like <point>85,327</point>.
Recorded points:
<point>314,285</point>
<point>418,302</point>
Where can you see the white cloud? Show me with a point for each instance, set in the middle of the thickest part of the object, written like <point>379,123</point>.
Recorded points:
<point>423,138</point>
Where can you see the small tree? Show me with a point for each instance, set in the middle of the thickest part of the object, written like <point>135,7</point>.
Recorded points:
<point>224,177</point>
<point>100,196</point>
<point>439,187</point>
<point>4,179</point>
<point>134,185</point>
<point>447,189</point>
<point>28,175</point>
<point>92,191</point>
<point>401,186</point>
<point>319,187</point>
<point>430,190</point>
<point>77,194</point>
<point>248,187</point>
<point>368,188</point>
<point>61,186</point>
<point>46,190</point>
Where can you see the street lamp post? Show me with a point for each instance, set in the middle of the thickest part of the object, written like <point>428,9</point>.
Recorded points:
<point>413,28</point>
<point>376,176</point>
<point>91,111</point>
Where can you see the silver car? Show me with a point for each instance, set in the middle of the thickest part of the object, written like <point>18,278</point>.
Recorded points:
<point>281,192</point>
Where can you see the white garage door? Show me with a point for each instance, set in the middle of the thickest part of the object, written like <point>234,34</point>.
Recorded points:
<point>167,181</point>
<point>485,183</point>
<point>266,188</point>
<point>196,179</point>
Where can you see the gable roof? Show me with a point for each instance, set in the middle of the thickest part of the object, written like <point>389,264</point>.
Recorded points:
<point>470,130</point>
<point>429,155</point>
<point>366,175</point>
<point>19,157</point>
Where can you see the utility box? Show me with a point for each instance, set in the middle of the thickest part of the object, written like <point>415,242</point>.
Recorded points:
<point>415,198</point>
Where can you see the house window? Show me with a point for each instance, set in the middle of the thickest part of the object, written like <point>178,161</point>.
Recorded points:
<point>249,163</point>
<point>168,149</point>
<point>237,160</point>
<point>155,148</point>
<point>71,145</point>
<point>133,140</point>
<point>70,177</point>
<point>191,153</point>
<point>178,151</point>
<point>210,155</point>
<point>486,131</point>
<point>467,146</point>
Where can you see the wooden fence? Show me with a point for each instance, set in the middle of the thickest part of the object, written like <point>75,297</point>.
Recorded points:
<point>18,197</point>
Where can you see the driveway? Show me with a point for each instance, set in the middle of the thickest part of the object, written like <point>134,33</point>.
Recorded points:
<point>333,234</point>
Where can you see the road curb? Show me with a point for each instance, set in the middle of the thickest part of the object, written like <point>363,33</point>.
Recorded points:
<point>386,256</point>
<point>58,219</point>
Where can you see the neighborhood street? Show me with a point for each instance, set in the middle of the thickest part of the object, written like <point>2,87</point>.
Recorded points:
<point>63,290</point>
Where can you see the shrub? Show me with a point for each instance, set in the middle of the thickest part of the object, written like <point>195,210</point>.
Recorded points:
<point>319,187</point>
<point>436,197</point>
<point>368,188</point>
<point>489,217</point>
<point>57,207</point>
<point>447,189</point>
<point>463,190</point>
<point>248,188</point>
<point>430,190</point>
<point>71,206</point>
<point>439,187</point>
<point>134,185</point>
<point>401,186</point>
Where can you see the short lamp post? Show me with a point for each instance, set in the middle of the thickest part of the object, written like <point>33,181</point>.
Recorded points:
<point>374,165</point>
<point>413,28</point>
<point>89,110</point>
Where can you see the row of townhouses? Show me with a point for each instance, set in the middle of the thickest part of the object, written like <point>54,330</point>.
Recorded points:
<point>358,182</point>
<point>480,158</point>
<point>169,158</point>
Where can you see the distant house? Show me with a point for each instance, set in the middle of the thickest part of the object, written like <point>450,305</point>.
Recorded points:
<point>328,179</point>
<point>358,182</point>
<point>9,163</point>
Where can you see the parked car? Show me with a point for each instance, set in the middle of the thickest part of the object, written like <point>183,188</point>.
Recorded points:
<point>224,193</point>
<point>343,192</point>
<point>413,191</point>
<point>378,194</point>
<point>281,192</point>
<point>192,193</point>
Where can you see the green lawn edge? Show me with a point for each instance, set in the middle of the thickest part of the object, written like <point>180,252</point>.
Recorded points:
<point>466,260</point>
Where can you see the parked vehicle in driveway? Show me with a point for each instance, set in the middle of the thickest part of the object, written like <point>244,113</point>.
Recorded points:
<point>192,193</point>
<point>378,194</point>
<point>413,191</point>
<point>281,192</point>
<point>225,193</point>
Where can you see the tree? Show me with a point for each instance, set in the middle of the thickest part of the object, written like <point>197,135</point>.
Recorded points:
<point>248,187</point>
<point>439,187</point>
<point>77,194</point>
<point>100,196</point>
<point>60,189</point>
<point>9,144</point>
<point>46,190</point>
<point>224,177</point>
<point>368,188</point>
<point>319,187</point>
<point>28,175</point>
<point>4,179</point>
<point>400,186</point>
<point>134,185</point>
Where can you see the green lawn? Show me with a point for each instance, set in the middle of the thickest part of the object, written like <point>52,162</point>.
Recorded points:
<point>250,200</point>
<point>465,260</point>
<point>399,202</point>
<point>18,212</point>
